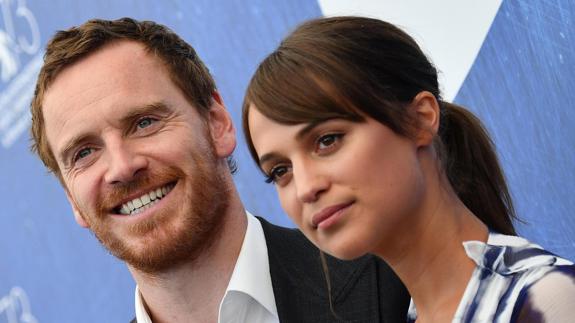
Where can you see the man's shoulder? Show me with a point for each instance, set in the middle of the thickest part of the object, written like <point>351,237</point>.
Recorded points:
<point>288,244</point>
<point>277,233</point>
<point>292,249</point>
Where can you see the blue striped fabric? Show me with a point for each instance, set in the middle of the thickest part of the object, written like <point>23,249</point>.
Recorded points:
<point>500,289</point>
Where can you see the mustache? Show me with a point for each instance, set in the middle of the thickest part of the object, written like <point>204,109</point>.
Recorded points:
<point>114,195</point>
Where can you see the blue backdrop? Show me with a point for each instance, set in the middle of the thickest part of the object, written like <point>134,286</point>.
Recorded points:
<point>522,85</point>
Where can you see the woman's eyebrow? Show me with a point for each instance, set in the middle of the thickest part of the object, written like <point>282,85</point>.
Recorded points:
<point>300,135</point>
<point>307,129</point>
<point>266,158</point>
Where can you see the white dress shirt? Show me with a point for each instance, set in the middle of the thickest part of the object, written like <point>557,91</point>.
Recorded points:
<point>249,296</point>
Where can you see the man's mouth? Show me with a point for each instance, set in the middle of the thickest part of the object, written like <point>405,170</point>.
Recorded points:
<point>145,201</point>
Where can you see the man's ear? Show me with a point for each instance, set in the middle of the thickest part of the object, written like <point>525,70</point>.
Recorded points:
<point>222,129</point>
<point>77,215</point>
<point>426,112</point>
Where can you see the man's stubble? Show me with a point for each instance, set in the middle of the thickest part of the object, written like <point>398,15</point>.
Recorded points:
<point>169,242</point>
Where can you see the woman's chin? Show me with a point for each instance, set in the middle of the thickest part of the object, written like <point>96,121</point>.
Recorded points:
<point>345,253</point>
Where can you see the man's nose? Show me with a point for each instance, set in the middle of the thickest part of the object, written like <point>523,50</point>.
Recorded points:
<point>310,183</point>
<point>123,164</point>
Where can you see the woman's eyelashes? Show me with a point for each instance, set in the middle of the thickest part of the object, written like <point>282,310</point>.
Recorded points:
<point>321,146</point>
<point>327,143</point>
<point>276,173</point>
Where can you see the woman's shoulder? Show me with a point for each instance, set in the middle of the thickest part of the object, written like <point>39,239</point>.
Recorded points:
<point>548,288</point>
<point>511,255</point>
<point>549,299</point>
<point>526,280</point>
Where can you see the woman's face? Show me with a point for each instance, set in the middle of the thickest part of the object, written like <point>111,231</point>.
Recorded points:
<point>351,187</point>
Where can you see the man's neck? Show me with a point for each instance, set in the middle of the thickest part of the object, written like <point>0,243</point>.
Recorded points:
<point>193,291</point>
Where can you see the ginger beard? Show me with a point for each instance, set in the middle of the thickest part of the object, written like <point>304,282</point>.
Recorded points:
<point>169,241</point>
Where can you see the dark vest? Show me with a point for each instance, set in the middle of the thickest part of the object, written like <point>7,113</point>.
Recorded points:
<point>363,290</point>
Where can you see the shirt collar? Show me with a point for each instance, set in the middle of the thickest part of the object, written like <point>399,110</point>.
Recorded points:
<point>251,275</point>
<point>508,255</point>
<point>141,313</point>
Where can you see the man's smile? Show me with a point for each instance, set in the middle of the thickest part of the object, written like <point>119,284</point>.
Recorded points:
<point>145,201</point>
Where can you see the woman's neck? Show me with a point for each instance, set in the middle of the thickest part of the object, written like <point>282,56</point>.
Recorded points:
<point>428,255</point>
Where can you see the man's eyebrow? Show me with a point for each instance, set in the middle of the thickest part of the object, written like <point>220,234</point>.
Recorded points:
<point>70,145</point>
<point>299,136</point>
<point>156,107</point>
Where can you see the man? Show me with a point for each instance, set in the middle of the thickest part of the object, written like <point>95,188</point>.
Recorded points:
<point>129,120</point>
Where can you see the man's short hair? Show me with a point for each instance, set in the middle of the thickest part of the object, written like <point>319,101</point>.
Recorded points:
<point>184,67</point>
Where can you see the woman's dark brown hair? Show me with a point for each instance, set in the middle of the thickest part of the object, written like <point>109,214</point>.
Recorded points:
<point>351,67</point>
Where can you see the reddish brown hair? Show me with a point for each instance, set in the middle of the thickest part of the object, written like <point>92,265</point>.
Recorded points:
<point>184,66</point>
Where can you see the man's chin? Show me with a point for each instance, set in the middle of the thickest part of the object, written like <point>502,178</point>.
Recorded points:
<point>178,234</point>
<point>151,250</point>
<point>159,246</point>
<point>155,260</point>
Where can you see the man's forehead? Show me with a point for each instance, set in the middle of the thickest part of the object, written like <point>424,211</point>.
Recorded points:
<point>114,60</point>
<point>106,76</point>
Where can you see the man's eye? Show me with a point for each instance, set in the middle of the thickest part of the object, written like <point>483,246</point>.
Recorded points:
<point>83,153</point>
<point>145,122</point>
<point>276,174</point>
<point>327,141</point>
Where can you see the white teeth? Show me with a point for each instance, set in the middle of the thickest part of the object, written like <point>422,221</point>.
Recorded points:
<point>125,209</point>
<point>137,202</point>
<point>145,201</point>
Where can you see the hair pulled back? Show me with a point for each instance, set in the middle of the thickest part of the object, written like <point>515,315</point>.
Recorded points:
<point>351,67</point>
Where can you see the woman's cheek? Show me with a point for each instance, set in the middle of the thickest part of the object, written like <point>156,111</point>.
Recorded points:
<point>290,205</point>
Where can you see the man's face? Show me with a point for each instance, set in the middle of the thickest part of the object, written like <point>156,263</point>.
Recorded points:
<point>140,165</point>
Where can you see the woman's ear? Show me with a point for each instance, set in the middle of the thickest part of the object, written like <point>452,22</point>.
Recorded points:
<point>222,128</point>
<point>426,112</point>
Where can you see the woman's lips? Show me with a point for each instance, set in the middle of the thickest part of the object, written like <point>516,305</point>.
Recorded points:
<point>328,216</point>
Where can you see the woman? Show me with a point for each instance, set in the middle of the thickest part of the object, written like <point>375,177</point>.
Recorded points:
<point>346,119</point>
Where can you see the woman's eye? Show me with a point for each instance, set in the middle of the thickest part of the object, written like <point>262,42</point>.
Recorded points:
<point>327,141</point>
<point>145,122</point>
<point>276,174</point>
